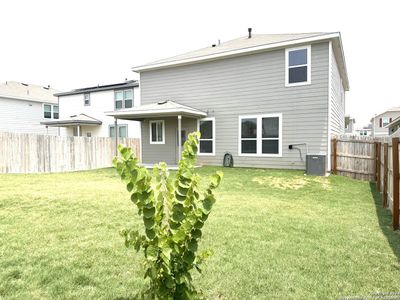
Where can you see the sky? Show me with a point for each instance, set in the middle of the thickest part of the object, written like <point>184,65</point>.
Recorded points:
<point>73,44</point>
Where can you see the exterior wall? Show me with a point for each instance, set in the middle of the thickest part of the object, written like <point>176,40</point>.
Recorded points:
<point>382,131</point>
<point>337,119</point>
<point>100,102</point>
<point>251,84</point>
<point>23,117</point>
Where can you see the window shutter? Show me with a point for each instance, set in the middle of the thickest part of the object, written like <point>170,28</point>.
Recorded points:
<point>380,122</point>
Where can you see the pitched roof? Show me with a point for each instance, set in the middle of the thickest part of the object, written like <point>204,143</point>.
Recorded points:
<point>29,92</point>
<point>245,45</point>
<point>162,108</point>
<point>388,110</point>
<point>73,120</point>
<point>121,85</point>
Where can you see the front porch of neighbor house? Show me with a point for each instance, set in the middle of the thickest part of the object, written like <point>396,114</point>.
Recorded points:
<point>165,126</point>
<point>80,125</point>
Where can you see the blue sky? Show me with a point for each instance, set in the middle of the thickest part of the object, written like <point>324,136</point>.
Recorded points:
<point>71,44</point>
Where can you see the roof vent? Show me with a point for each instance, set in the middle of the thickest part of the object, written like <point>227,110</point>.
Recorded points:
<point>249,29</point>
<point>162,102</point>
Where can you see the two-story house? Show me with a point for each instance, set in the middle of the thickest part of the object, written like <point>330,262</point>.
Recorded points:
<point>23,106</point>
<point>381,121</point>
<point>82,111</point>
<point>265,99</point>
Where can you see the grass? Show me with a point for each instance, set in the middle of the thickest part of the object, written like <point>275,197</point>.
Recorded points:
<point>275,234</point>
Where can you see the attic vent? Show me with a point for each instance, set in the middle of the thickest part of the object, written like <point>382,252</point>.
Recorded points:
<point>162,102</point>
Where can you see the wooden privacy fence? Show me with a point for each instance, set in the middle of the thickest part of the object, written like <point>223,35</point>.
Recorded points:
<point>374,160</point>
<point>32,153</point>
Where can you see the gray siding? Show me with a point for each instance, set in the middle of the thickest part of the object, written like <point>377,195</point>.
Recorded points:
<point>252,84</point>
<point>23,117</point>
<point>337,99</point>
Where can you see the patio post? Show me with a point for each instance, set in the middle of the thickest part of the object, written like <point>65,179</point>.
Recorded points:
<point>179,137</point>
<point>78,130</point>
<point>116,135</point>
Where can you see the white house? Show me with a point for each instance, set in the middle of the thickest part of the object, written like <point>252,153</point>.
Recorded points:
<point>24,106</point>
<point>82,110</point>
<point>381,121</point>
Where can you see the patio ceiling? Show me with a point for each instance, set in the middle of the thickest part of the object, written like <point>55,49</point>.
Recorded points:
<point>155,110</point>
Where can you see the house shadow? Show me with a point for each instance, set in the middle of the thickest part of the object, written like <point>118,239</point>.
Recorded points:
<point>385,221</point>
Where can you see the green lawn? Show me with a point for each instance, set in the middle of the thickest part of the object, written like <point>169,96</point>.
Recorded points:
<point>275,234</point>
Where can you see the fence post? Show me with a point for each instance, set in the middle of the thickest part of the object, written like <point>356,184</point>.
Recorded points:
<point>385,173</point>
<point>375,162</point>
<point>395,161</point>
<point>334,155</point>
<point>378,166</point>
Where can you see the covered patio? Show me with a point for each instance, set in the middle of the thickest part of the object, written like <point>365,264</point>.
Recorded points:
<point>163,123</point>
<point>75,121</point>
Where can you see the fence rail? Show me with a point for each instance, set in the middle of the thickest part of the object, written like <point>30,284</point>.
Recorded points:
<point>32,153</point>
<point>372,159</point>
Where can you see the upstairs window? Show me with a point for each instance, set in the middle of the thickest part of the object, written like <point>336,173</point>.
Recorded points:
<point>260,135</point>
<point>207,139</point>
<point>157,132</point>
<point>123,99</point>
<point>50,111</point>
<point>298,66</point>
<point>47,111</point>
<point>86,99</point>
<point>55,112</point>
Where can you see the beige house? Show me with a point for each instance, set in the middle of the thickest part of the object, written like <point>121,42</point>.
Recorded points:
<point>381,121</point>
<point>24,106</point>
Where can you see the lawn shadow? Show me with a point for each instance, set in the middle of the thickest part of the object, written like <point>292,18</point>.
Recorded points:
<point>385,221</point>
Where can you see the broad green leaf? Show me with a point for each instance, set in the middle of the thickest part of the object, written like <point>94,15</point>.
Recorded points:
<point>192,245</point>
<point>189,257</point>
<point>149,212</point>
<point>129,186</point>
<point>148,222</point>
<point>150,233</point>
<point>196,234</point>
<point>178,216</point>
<point>199,224</point>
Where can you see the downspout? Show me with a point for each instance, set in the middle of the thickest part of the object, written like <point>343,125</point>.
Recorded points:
<point>329,106</point>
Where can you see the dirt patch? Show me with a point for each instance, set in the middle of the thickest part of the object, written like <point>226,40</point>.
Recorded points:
<point>293,183</point>
<point>282,183</point>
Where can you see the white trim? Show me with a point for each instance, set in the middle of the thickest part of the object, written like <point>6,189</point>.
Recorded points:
<point>308,65</point>
<point>163,132</point>
<point>329,158</point>
<point>154,66</point>
<point>259,135</point>
<point>213,139</point>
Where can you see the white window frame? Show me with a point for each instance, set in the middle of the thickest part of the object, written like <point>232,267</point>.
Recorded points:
<point>259,137</point>
<point>123,98</point>
<point>84,99</point>
<point>51,111</point>
<point>163,132</point>
<point>213,133</point>
<point>117,130</point>
<point>308,65</point>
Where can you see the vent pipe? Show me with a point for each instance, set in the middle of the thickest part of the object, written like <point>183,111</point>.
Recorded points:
<point>249,29</point>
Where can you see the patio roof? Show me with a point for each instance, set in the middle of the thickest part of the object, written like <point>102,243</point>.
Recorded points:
<point>74,120</point>
<point>155,110</point>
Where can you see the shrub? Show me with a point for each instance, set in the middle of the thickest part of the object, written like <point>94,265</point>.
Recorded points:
<point>174,212</point>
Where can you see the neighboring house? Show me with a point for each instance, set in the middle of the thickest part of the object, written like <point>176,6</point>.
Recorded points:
<point>23,106</point>
<point>365,131</point>
<point>82,110</point>
<point>393,126</point>
<point>251,97</point>
<point>380,122</point>
<point>349,127</point>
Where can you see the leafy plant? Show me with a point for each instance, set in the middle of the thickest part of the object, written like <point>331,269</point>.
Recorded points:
<point>174,212</point>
